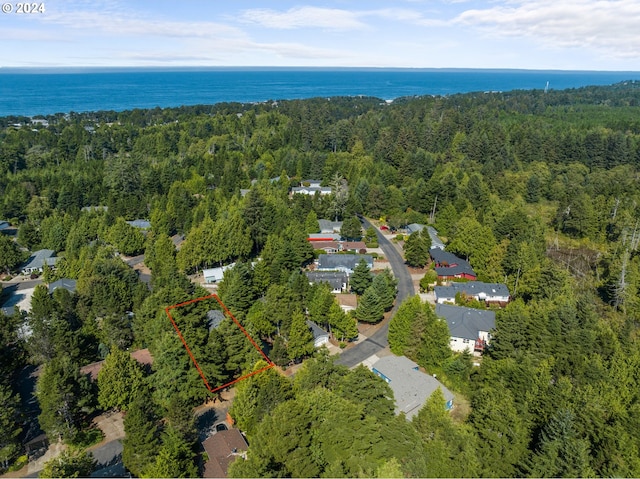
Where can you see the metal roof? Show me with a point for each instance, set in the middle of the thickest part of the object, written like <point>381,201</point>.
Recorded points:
<point>466,322</point>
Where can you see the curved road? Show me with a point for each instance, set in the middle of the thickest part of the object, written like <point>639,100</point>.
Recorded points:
<point>379,340</point>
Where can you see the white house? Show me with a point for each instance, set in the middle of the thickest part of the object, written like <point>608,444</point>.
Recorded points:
<point>489,293</point>
<point>470,329</point>
<point>36,262</point>
<point>411,387</point>
<point>336,280</point>
<point>320,336</point>
<point>213,275</point>
<point>327,226</point>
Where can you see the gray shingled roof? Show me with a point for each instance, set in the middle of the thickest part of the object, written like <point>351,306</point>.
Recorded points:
<point>214,318</point>
<point>472,288</point>
<point>65,283</point>
<point>38,259</point>
<point>316,330</point>
<point>444,257</point>
<point>411,387</point>
<point>415,227</point>
<point>436,242</point>
<point>342,261</point>
<point>335,279</point>
<point>330,226</point>
<point>466,322</point>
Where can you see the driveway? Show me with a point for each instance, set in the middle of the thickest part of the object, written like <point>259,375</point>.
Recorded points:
<point>379,340</point>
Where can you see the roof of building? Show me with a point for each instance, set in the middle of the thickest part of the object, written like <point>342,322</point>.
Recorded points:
<point>214,318</point>
<point>436,242</point>
<point>311,189</point>
<point>316,330</point>
<point>411,387</point>
<point>415,227</point>
<point>348,261</point>
<point>354,245</point>
<point>464,268</point>
<point>466,322</point>
<point>4,225</point>
<point>444,257</point>
<point>222,449</point>
<point>65,283</point>
<point>330,226</point>
<point>38,259</point>
<point>335,279</point>
<point>325,245</point>
<point>324,237</point>
<point>142,224</point>
<point>472,288</point>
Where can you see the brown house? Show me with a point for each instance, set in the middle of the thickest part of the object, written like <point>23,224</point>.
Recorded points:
<point>223,448</point>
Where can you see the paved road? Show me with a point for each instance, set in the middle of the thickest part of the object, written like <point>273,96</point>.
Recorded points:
<point>379,340</point>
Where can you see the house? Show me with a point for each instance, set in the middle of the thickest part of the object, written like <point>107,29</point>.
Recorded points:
<point>311,187</point>
<point>461,271</point>
<point>36,262</point>
<point>324,237</point>
<point>493,294</point>
<point>449,266</point>
<point>64,283</point>
<point>354,246</point>
<point>320,336</point>
<point>328,247</point>
<point>327,226</point>
<point>140,224</point>
<point>337,281</point>
<point>342,262</point>
<point>215,317</point>
<point>436,242</point>
<point>411,387</point>
<point>222,449</point>
<point>4,225</point>
<point>469,328</point>
<point>414,228</point>
<point>213,275</point>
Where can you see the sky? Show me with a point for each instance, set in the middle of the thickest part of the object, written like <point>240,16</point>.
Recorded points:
<point>530,34</point>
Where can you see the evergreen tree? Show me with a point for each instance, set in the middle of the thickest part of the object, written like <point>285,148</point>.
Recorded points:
<point>311,223</point>
<point>119,380</point>
<point>142,439</point>
<point>351,228</point>
<point>385,290</point>
<point>416,249</point>
<point>128,239</point>
<point>370,308</point>
<point>343,326</point>
<point>63,393</point>
<point>175,457</point>
<point>9,428</point>
<point>10,254</point>
<point>300,340</point>
<point>361,278</point>
<point>70,463</point>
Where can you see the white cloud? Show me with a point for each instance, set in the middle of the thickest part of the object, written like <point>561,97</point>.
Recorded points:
<point>304,17</point>
<point>609,26</point>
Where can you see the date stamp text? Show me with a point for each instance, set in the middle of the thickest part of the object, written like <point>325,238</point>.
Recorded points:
<point>23,8</point>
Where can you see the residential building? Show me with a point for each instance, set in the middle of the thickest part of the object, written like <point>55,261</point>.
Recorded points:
<point>436,242</point>
<point>311,187</point>
<point>324,237</point>
<point>327,226</point>
<point>470,329</point>
<point>414,228</point>
<point>342,262</point>
<point>320,336</point>
<point>215,317</point>
<point>336,280</point>
<point>140,224</point>
<point>354,246</point>
<point>449,266</point>
<point>492,294</point>
<point>64,283</point>
<point>223,448</point>
<point>411,387</point>
<point>328,247</point>
<point>213,275</point>
<point>36,262</point>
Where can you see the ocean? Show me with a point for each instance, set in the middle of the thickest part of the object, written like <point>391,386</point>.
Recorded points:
<point>25,92</point>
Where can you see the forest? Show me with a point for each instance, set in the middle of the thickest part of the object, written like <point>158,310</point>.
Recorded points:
<point>539,190</point>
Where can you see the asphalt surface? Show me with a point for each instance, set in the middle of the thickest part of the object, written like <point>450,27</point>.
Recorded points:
<point>378,341</point>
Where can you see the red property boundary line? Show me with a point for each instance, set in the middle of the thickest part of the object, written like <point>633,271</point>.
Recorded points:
<point>193,359</point>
